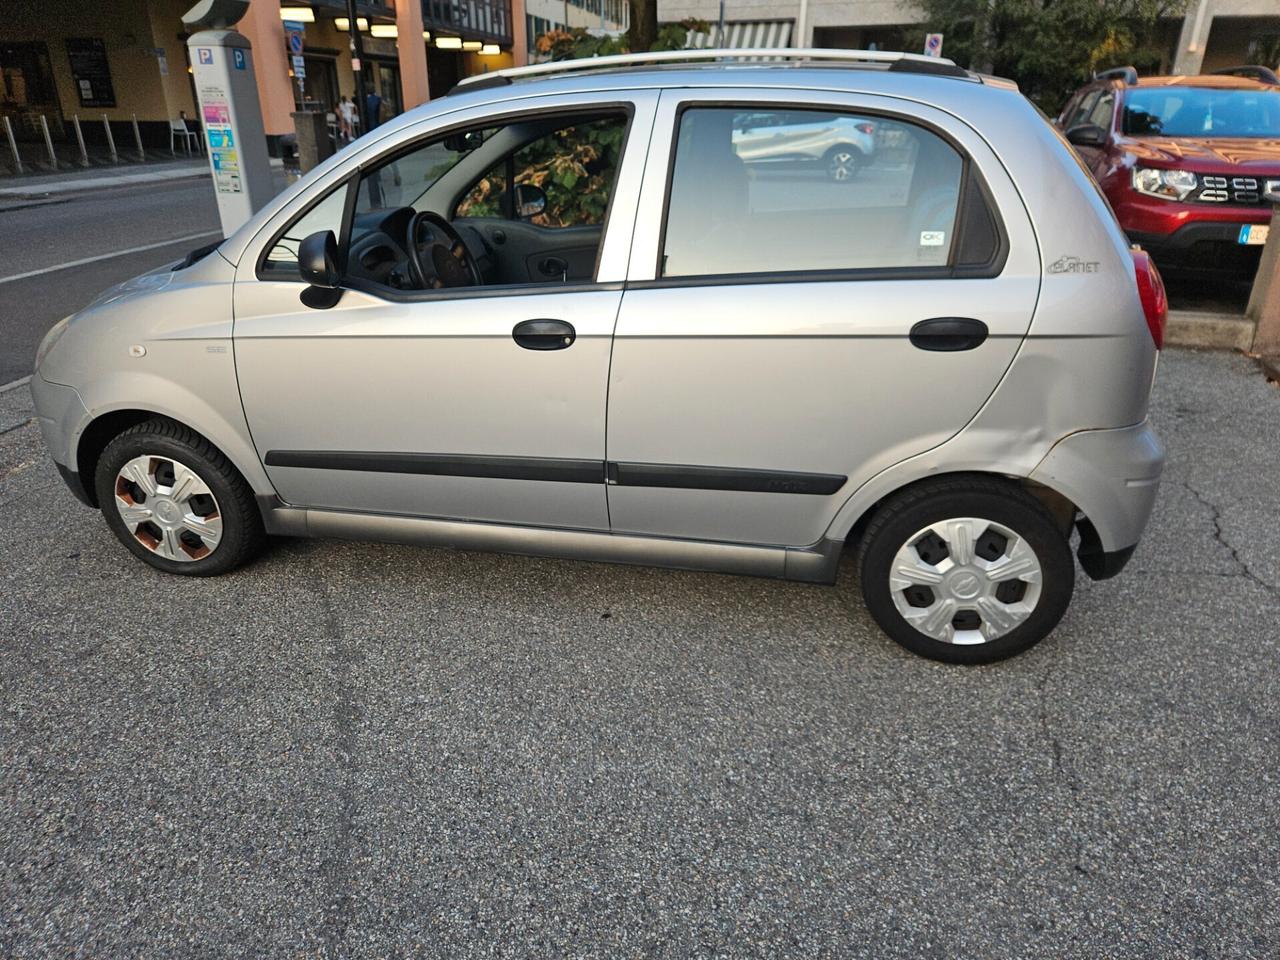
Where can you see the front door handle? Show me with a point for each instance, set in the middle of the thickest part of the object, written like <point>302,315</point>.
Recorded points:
<point>544,334</point>
<point>948,334</point>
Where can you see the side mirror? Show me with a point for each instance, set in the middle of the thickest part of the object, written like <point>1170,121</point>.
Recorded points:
<point>318,260</point>
<point>318,265</point>
<point>1087,135</point>
<point>531,200</point>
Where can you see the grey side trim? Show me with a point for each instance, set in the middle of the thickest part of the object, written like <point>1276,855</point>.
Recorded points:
<point>815,564</point>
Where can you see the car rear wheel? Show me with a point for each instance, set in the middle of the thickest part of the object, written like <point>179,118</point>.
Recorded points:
<point>966,570</point>
<point>176,502</point>
<point>843,163</point>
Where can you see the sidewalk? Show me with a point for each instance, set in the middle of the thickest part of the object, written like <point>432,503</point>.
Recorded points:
<point>77,181</point>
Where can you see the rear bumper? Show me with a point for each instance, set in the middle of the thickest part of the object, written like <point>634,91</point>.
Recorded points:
<point>1201,246</point>
<point>1112,476</point>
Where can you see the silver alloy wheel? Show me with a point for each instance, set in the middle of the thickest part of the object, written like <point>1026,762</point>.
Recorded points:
<point>965,580</point>
<point>842,166</point>
<point>168,508</point>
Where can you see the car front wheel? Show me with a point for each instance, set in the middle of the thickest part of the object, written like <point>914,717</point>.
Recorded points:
<point>966,570</point>
<point>176,502</point>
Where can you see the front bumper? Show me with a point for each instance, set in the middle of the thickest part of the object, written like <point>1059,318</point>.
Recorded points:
<point>1112,476</point>
<point>60,413</point>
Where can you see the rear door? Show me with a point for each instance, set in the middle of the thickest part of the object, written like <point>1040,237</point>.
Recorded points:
<point>764,364</point>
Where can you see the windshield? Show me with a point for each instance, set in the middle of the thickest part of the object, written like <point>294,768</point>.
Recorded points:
<point>1201,112</point>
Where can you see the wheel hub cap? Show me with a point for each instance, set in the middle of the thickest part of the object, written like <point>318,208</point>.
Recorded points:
<point>965,580</point>
<point>168,508</point>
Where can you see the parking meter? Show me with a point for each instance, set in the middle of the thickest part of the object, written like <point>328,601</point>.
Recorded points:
<point>222,66</point>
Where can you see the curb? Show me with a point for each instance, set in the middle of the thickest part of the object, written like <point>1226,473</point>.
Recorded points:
<point>1212,331</point>
<point>74,185</point>
<point>1271,368</point>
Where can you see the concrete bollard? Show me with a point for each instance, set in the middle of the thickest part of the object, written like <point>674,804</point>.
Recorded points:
<point>1264,300</point>
<point>84,154</point>
<point>137,138</point>
<point>13,146</point>
<point>111,141</point>
<point>48,142</point>
<point>314,146</point>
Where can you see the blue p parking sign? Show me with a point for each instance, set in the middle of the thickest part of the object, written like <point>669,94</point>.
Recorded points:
<point>237,57</point>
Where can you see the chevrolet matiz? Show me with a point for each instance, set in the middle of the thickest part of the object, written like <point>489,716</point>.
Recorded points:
<point>558,313</point>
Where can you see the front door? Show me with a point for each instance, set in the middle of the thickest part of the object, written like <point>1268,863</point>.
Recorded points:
<point>769,357</point>
<point>428,398</point>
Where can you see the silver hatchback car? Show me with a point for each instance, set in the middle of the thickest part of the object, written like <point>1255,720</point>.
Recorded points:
<point>558,313</point>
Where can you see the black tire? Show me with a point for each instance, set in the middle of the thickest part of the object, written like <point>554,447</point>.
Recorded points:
<point>987,498</point>
<point>856,161</point>
<point>242,533</point>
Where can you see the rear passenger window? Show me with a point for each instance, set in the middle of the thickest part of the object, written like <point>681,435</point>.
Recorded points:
<point>768,191</point>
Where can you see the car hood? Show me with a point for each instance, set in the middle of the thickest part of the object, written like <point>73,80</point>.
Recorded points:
<point>1226,154</point>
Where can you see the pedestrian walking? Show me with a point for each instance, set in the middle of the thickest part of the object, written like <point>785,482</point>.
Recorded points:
<point>372,110</point>
<point>346,119</point>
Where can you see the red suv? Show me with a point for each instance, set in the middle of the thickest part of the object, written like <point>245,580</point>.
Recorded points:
<point>1188,163</point>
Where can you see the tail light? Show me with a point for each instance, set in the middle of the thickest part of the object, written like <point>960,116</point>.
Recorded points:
<point>1155,303</point>
<point>867,128</point>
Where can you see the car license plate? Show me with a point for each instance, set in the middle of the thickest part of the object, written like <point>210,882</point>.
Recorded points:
<point>1252,234</point>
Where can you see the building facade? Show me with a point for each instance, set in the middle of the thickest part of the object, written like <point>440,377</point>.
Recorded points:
<point>109,65</point>
<point>1212,33</point>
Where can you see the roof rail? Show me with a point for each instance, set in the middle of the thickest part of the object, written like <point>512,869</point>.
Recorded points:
<point>902,62</point>
<point>1128,74</point>
<point>1263,74</point>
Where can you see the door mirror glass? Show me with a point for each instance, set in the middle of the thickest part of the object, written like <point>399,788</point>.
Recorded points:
<point>531,200</point>
<point>1087,135</point>
<point>318,260</point>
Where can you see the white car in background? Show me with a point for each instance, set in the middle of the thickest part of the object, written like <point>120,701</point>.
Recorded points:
<point>843,145</point>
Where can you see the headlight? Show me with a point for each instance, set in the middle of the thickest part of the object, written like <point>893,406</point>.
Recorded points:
<point>1167,184</point>
<point>53,336</point>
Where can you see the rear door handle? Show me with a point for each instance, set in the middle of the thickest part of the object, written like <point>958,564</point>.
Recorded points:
<point>544,334</point>
<point>948,334</point>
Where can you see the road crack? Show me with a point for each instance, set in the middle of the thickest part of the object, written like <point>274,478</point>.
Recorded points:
<point>1064,772</point>
<point>1215,516</point>
<point>339,905</point>
<point>17,426</point>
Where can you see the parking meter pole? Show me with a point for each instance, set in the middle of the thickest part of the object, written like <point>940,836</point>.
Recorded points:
<point>222,65</point>
<point>48,142</point>
<point>84,154</point>
<point>13,146</point>
<point>111,141</point>
<point>137,140</point>
<point>1264,301</point>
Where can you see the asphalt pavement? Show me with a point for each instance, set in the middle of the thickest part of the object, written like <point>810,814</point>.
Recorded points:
<point>359,750</point>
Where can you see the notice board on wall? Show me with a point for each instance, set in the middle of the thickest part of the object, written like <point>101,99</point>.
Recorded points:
<point>91,72</point>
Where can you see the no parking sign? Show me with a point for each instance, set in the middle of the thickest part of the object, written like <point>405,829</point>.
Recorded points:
<point>933,45</point>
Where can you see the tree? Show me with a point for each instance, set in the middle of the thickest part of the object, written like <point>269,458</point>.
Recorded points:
<point>644,24</point>
<point>1050,47</point>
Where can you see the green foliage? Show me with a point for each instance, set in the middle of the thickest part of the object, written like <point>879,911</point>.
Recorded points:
<point>577,43</point>
<point>575,167</point>
<point>1050,47</point>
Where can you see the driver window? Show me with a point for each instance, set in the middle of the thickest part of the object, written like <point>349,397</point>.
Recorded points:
<point>513,190</point>
<point>575,166</point>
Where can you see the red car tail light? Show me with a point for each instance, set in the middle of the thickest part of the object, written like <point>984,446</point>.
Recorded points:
<point>1155,303</point>
<point>867,128</point>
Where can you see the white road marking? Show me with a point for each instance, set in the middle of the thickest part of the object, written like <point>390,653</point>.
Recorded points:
<point>15,384</point>
<point>108,256</point>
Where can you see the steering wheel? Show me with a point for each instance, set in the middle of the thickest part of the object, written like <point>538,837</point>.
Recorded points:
<point>451,261</point>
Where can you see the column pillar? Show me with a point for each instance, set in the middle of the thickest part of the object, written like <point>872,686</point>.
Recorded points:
<point>413,53</point>
<point>265,30</point>
<point>519,34</point>
<point>1196,24</point>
